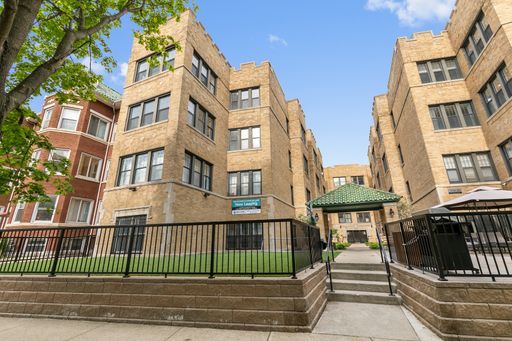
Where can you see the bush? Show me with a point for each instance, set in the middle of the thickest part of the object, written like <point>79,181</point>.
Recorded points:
<point>373,245</point>
<point>341,246</point>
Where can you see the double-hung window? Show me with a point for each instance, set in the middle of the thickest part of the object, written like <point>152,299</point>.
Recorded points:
<point>18,212</point>
<point>89,167</point>
<point>345,218</point>
<point>204,73</point>
<point>385,163</point>
<point>477,39</point>
<point>197,172</point>
<point>47,116</point>
<point>471,167</point>
<point>69,118</point>
<point>148,112</point>
<point>44,211</point>
<point>506,149</point>
<point>59,155</point>
<point>454,115</point>
<point>439,70</point>
<point>141,167</point>
<point>339,181</point>
<point>303,133</point>
<point>358,180</point>
<point>79,210</point>
<point>245,98</point>
<point>244,183</point>
<point>497,90</point>
<point>244,138</point>
<point>305,164</point>
<point>363,217</point>
<point>98,127</point>
<point>201,119</point>
<point>160,64</point>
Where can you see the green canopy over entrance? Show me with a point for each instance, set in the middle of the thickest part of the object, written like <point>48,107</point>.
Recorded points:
<point>353,198</point>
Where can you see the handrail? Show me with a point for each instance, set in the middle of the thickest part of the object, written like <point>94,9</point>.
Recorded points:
<point>384,256</point>
<point>328,261</point>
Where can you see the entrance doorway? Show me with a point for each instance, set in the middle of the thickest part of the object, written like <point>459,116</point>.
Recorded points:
<point>357,236</point>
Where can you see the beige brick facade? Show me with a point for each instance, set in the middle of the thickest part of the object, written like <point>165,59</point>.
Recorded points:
<point>170,199</point>
<point>403,116</point>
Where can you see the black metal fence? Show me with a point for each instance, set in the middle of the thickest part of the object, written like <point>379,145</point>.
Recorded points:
<point>454,244</point>
<point>262,247</point>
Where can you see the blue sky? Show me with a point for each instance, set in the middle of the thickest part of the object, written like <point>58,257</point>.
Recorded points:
<point>334,56</point>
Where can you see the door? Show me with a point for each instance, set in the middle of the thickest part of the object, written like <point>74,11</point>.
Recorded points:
<point>357,236</point>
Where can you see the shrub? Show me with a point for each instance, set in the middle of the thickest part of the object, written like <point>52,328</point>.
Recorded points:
<point>373,245</point>
<point>341,246</point>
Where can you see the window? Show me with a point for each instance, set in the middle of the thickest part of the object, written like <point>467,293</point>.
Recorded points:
<point>44,210</point>
<point>122,234</point>
<point>393,121</point>
<point>318,182</point>
<point>151,111</point>
<point>141,167</point>
<point>290,159</point>
<point>203,72</point>
<point>244,183</point>
<point>339,181</point>
<point>244,236</point>
<point>144,70</point>
<point>315,158</point>
<point>477,39</point>
<point>36,155</point>
<point>359,180</point>
<point>474,167</point>
<point>345,218</point>
<point>455,115</point>
<point>197,172</point>
<point>18,212</point>
<point>98,127</point>
<point>409,192</point>
<point>497,90</point>
<point>201,119</point>
<point>47,116</point>
<point>107,171</point>
<point>439,70</point>
<point>385,163</point>
<point>287,126</point>
<point>401,154</point>
<point>244,138</point>
<point>302,133</point>
<point>292,195</point>
<point>59,155</point>
<point>308,195</point>
<point>245,98</point>
<point>506,149</point>
<point>379,132</point>
<point>89,166</point>
<point>305,164</point>
<point>69,118</point>
<point>363,217</point>
<point>35,245</point>
<point>79,210</point>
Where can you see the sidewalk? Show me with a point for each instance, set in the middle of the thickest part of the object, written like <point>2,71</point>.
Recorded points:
<point>359,253</point>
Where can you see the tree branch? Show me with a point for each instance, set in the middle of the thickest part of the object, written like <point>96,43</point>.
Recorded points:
<point>6,20</point>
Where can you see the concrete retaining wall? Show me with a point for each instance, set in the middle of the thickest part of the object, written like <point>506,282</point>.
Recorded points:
<point>273,304</point>
<point>458,309</point>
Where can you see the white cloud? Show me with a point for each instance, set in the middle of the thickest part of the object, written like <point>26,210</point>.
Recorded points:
<point>95,67</point>
<point>118,76</point>
<point>124,69</point>
<point>413,12</point>
<point>274,39</point>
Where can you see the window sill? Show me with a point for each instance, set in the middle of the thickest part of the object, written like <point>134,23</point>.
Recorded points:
<point>142,184</point>
<point>205,191</point>
<point>201,134</point>
<point>81,177</point>
<point>500,111</point>
<point>245,150</point>
<point>473,183</point>
<point>443,82</point>
<point>448,130</point>
<point>145,127</point>
<point>244,196</point>
<point>149,78</point>
<point>242,109</point>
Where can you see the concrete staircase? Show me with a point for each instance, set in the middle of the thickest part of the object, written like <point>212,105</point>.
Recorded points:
<point>361,283</point>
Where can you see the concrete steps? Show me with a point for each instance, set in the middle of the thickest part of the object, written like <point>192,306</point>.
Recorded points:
<point>361,283</point>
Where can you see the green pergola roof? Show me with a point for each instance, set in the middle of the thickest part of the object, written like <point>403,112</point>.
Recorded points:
<point>352,197</point>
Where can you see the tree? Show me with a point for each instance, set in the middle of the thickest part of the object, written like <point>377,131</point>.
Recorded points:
<point>43,41</point>
<point>22,175</point>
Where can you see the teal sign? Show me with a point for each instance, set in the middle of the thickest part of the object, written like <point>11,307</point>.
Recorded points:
<point>246,206</point>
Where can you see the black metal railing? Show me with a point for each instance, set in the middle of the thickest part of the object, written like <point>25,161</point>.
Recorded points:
<point>385,259</point>
<point>260,247</point>
<point>454,244</point>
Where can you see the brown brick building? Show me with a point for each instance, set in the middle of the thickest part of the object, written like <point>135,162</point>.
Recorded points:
<point>83,133</point>
<point>207,142</point>
<point>444,126</point>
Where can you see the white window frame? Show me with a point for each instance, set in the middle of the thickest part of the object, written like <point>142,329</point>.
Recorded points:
<point>100,164</point>
<point>34,252</point>
<point>77,119</point>
<point>50,157</point>
<point>16,209</point>
<point>89,214</point>
<point>46,119</point>
<point>101,118</point>
<point>104,178</point>
<point>36,208</point>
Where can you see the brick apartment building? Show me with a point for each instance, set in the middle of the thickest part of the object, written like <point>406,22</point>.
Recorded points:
<point>444,126</point>
<point>82,132</point>
<point>351,226</point>
<point>207,142</point>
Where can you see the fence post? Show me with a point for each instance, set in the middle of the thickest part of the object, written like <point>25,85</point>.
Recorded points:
<point>435,250</point>
<point>130,249</point>
<point>292,236</point>
<point>387,241</point>
<point>212,253</point>
<point>404,244</point>
<point>310,249</point>
<point>57,254</point>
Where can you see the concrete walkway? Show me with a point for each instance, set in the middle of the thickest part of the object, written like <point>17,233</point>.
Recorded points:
<point>359,253</point>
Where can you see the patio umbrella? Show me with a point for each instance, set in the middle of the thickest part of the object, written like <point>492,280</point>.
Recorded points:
<point>480,198</point>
